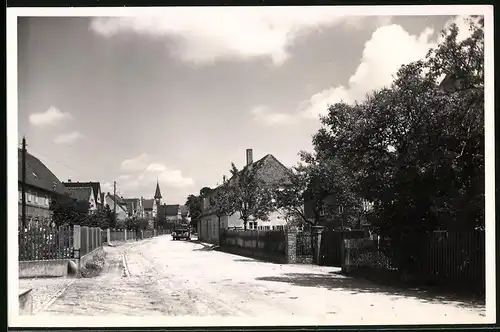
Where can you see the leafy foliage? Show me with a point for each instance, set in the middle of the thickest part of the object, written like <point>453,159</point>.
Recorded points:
<point>416,148</point>
<point>249,195</point>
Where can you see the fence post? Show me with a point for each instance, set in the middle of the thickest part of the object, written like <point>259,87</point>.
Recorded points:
<point>76,241</point>
<point>346,259</point>
<point>317,231</point>
<point>108,235</point>
<point>125,234</point>
<point>291,245</point>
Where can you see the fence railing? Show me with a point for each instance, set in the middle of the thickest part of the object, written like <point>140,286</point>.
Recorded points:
<point>271,242</point>
<point>44,243</point>
<point>447,257</point>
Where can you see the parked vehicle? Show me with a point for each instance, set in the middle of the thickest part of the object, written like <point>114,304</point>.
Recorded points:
<point>181,232</point>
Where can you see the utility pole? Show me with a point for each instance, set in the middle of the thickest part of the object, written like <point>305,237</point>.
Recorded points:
<point>114,203</point>
<point>23,182</point>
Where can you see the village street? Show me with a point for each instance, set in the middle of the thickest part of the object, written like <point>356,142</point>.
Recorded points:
<point>159,276</point>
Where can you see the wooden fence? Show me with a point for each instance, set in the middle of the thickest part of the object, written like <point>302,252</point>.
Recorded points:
<point>331,251</point>
<point>269,242</point>
<point>90,239</point>
<point>44,243</point>
<point>444,257</point>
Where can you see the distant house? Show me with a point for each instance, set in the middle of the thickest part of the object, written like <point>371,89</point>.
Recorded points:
<point>148,206</point>
<point>121,206</point>
<point>273,174</point>
<point>41,186</point>
<point>324,217</point>
<point>134,207</point>
<point>84,194</point>
<point>96,191</point>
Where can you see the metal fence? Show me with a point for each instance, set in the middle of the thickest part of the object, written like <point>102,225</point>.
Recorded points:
<point>44,243</point>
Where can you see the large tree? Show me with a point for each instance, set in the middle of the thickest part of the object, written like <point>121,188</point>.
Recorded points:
<point>416,148</point>
<point>250,197</point>
<point>220,203</point>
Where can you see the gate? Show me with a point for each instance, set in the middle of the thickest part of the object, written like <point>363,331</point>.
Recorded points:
<point>331,248</point>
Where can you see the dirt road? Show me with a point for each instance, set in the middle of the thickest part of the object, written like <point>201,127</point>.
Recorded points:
<point>165,277</point>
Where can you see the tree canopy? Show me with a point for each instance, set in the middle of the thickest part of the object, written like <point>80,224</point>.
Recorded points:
<point>416,148</point>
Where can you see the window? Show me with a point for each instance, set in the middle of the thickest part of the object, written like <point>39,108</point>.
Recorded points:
<point>20,195</point>
<point>35,199</point>
<point>28,197</point>
<point>46,200</point>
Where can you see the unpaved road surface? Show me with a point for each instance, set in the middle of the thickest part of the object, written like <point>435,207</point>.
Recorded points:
<point>163,277</point>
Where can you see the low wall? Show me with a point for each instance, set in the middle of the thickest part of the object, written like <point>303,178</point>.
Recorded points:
<point>48,268</point>
<point>25,302</point>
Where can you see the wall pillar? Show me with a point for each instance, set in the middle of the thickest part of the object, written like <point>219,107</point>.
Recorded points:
<point>291,245</point>
<point>125,234</point>
<point>317,232</point>
<point>108,231</point>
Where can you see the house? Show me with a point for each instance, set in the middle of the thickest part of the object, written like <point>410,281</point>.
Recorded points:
<point>151,206</point>
<point>84,194</point>
<point>324,218</point>
<point>173,213</point>
<point>134,207</point>
<point>273,174</point>
<point>41,187</point>
<point>121,206</point>
<point>96,191</point>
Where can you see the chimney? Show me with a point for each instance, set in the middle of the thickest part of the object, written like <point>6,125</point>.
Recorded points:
<point>69,180</point>
<point>249,156</point>
<point>223,179</point>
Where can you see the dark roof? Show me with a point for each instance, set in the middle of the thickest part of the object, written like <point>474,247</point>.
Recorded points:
<point>184,210</point>
<point>80,193</point>
<point>268,175</point>
<point>131,200</point>
<point>148,204</point>
<point>172,210</point>
<point>157,191</point>
<point>38,175</point>
<point>117,199</point>
<point>96,186</point>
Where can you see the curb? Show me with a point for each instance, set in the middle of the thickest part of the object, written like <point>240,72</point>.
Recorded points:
<point>47,304</point>
<point>126,272</point>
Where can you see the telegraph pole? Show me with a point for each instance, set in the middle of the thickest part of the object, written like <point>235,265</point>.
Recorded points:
<point>114,203</point>
<point>23,182</point>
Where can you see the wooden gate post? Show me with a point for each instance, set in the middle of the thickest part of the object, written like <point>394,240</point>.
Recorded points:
<point>317,231</point>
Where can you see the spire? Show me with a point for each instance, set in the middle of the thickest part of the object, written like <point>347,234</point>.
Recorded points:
<point>157,191</point>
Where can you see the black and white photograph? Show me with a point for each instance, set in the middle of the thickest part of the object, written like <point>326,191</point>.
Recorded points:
<point>246,166</point>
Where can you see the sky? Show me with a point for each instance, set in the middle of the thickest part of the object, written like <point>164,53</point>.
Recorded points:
<point>177,97</point>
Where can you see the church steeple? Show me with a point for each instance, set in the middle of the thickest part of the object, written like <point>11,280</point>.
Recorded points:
<point>157,191</point>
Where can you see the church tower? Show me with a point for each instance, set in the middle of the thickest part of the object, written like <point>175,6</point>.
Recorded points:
<point>157,194</point>
<point>157,200</point>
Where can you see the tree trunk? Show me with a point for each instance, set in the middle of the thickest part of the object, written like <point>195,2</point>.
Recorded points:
<point>245,225</point>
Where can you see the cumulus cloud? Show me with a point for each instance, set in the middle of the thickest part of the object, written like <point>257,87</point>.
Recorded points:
<point>205,34</point>
<point>389,48</point>
<point>50,117</point>
<point>68,138</point>
<point>138,163</point>
<point>264,115</point>
<point>143,174</point>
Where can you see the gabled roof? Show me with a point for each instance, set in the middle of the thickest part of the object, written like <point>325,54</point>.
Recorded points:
<point>269,169</point>
<point>96,186</point>
<point>184,210</point>
<point>38,175</point>
<point>80,193</point>
<point>172,210</point>
<point>148,204</point>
